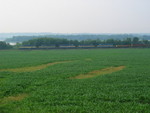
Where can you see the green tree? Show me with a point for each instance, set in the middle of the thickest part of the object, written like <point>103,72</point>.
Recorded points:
<point>75,43</point>
<point>4,45</point>
<point>135,40</point>
<point>127,41</point>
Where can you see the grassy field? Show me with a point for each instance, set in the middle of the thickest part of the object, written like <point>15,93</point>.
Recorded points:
<point>75,81</point>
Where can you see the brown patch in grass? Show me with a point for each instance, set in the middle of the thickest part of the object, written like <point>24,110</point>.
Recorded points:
<point>88,59</point>
<point>14,98</point>
<point>98,72</point>
<point>33,68</point>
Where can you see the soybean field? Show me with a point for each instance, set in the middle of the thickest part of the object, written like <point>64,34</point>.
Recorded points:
<point>75,81</point>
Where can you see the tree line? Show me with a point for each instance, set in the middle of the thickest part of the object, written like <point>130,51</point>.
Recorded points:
<point>57,42</point>
<point>20,37</point>
<point>4,45</point>
<point>95,42</point>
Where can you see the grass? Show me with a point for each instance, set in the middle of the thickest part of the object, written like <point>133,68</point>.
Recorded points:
<point>122,89</point>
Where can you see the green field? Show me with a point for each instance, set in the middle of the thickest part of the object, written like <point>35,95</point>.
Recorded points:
<point>52,81</point>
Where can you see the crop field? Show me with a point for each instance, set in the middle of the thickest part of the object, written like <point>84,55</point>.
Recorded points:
<point>75,81</point>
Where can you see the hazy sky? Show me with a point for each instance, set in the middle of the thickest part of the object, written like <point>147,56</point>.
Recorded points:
<point>75,16</point>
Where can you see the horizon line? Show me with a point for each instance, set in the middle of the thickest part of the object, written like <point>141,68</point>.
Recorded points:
<point>78,33</point>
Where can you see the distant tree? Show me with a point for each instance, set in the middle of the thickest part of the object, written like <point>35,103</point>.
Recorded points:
<point>110,41</point>
<point>117,42</point>
<point>17,45</point>
<point>95,43</point>
<point>4,45</point>
<point>135,40</point>
<point>75,43</point>
<point>127,41</point>
<point>39,42</point>
<point>145,42</point>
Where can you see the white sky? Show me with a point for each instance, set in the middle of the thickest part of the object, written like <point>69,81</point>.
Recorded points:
<point>75,16</point>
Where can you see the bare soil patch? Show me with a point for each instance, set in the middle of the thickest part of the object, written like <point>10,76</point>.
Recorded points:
<point>99,72</point>
<point>14,98</point>
<point>88,59</point>
<point>33,68</point>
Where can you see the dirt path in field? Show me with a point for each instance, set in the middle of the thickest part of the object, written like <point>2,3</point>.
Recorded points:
<point>99,72</point>
<point>33,68</point>
<point>13,98</point>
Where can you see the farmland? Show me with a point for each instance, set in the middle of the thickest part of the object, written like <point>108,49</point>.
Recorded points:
<point>75,81</point>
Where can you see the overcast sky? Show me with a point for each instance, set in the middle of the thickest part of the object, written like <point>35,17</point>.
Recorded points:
<point>75,16</point>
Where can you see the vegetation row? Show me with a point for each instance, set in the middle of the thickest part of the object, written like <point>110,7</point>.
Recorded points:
<point>89,42</point>
<point>59,42</point>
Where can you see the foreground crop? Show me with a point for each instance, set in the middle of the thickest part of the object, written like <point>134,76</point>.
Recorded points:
<point>45,88</point>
